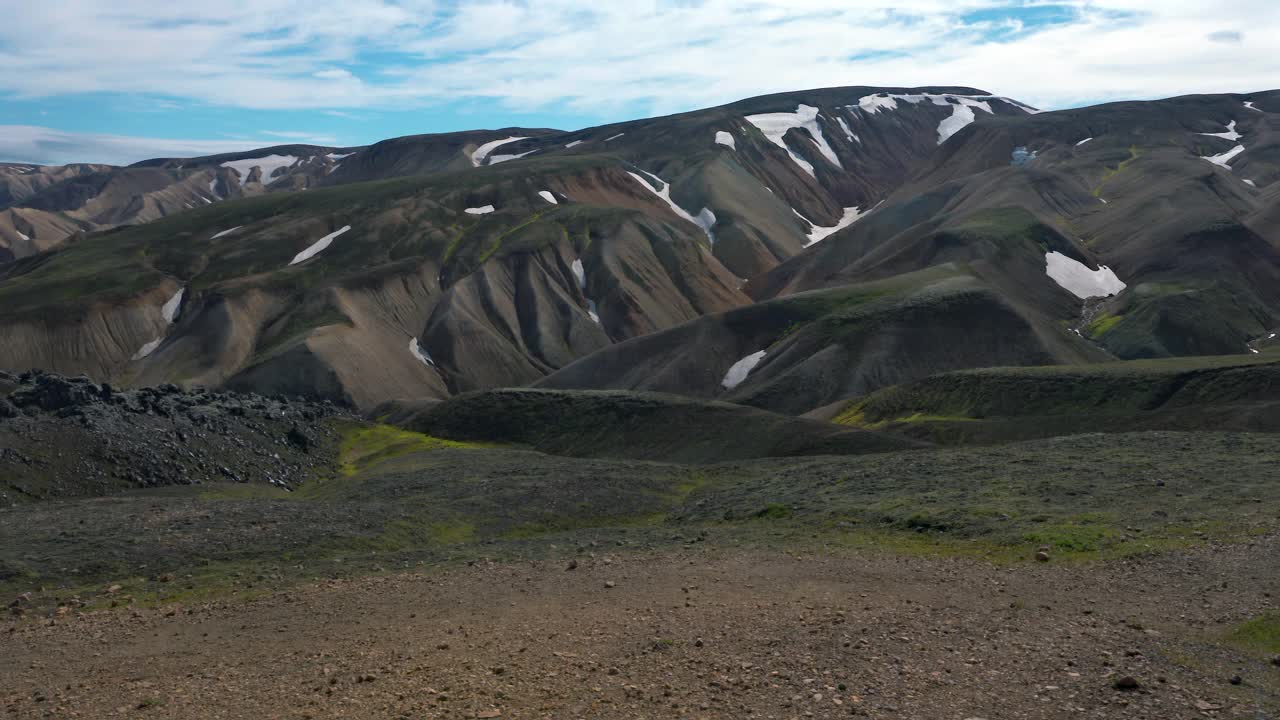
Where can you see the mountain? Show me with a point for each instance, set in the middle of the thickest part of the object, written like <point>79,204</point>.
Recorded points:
<point>785,252</point>
<point>495,258</point>
<point>1176,198</point>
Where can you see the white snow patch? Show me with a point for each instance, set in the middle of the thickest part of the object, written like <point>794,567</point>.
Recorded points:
<point>336,157</point>
<point>1230,134</point>
<point>1083,141</point>
<point>1223,159</point>
<point>818,233</point>
<point>873,104</point>
<point>22,235</point>
<point>593,311</point>
<point>615,137</point>
<point>575,143</point>
<point>169,311</point>
<point>961,116</point>
<point>213,186</point>
<point>226,232</point>
<point>1255,351</point>
<point>580,273</point>
<point>546,195</point>
<point>147,349</point>
<point>726,139</point>
<point>481,153</point>
<point>1104,201</point>
<point>482,210</point>
<point>847,132</point>
<point>269,165</point>
<point>775,125</point>
<point>1250,183</point>
<point>503,158</point>
<point>206,200</point>
<point>739,370</point>
<point>705,218</point>
<point>1076,277</point>
<point>318,246</point>
<point>420,352</point>
<point>1249,104</point>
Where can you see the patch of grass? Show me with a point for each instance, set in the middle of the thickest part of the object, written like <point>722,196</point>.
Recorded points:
<point>1261,634</point>
<point>773,511</point>
<point>364,446</point>
<point>1085,534</point>
<point>1102,325</point>
<point>1109,173</point>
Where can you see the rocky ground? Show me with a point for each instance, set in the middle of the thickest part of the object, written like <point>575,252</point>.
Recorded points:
<point>67,437</point>
<point>695,632</point>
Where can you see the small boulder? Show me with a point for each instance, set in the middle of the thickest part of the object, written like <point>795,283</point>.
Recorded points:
<point>1126,682</point>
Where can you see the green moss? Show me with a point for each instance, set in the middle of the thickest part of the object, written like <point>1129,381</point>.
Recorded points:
<point>774,511</point>
<point>1102,325</point>
<point>1109,173</point>
<point>1086,534</point>
<point>1261,634</point>
<point>364,446</point>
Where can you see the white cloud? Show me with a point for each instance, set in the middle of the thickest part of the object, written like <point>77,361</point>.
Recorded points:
<point>597,58</point>
<point>31,144</point>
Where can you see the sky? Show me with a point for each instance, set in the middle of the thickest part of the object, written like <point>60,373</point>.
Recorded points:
<point>119,81</point>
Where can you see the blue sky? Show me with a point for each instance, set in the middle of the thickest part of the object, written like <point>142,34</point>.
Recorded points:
<point>122,80</point>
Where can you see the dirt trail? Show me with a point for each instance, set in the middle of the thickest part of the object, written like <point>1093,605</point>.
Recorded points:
<point>696,633</point>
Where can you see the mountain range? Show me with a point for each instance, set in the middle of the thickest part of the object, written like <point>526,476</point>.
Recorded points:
<point>789,252</point>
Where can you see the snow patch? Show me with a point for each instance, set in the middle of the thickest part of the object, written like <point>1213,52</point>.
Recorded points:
<point>503,158</point>
<point>420,352</point>
<point>775,125</point>
<point>336,157</point>
<point>705,219</point>
<point>575,143</point>
<point>269,165</point>
<point>482,153</point>
<point>961,116</point>
<point>1076,277</point>
<point>546,195</point>
<point>482,210</point>
<point>318,246</point>
<point>593,311</point>
<point>847,132</point>
<point>739,370</point>
<point>226,232</point>
<point>580,273</point>
<point>873,104</point>
<point>169,311</point>
<point>1223,159</point>
<point>1250,183</point>
<point>213,187</point>
<point>1230,134</point>
<point>726,139</point>
<point>818,233</point>
<point>615,137</point>
<point>22,235</point>
<point>147,349</point>
<point>1249,104</point>
<point>1083,141</point>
